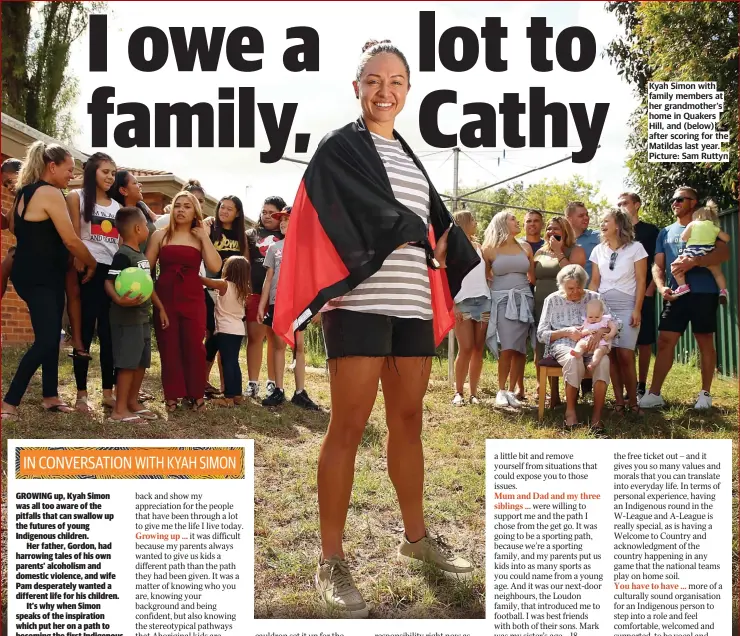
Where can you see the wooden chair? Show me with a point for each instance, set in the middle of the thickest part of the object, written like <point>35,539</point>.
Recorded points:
<point>549,368</point>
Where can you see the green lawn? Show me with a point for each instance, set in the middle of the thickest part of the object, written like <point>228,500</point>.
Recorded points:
<point>286,450</point>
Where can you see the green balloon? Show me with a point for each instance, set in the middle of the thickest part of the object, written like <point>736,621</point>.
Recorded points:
<point>136,280</point>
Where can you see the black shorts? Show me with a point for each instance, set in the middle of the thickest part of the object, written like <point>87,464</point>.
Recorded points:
<point>354,333</point>
<point>210,312</point>
<point>647,323</point>
<point>698,309</point>
<point>132,346</point>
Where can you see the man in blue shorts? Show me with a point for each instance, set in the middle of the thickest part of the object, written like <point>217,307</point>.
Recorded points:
<point>698,307</point>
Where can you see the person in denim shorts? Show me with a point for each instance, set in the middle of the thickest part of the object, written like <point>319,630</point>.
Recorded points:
<point>472,310</point>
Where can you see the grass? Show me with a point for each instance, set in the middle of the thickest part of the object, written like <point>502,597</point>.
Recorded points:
<point>287,443</point>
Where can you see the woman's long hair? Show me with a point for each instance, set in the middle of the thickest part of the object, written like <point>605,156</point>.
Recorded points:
<point>237,270</point>
<point>237,224</point>
<point>170,230</point>
<point>566,231</point>
<point>625,228</point>
<point>115,193</point>
<point>89,183</point>
<point>497,231</point>
<point>37,157</point>
<point>465,219</point>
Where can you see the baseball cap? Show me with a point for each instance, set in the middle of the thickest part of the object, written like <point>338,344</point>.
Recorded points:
<point>284,212</point>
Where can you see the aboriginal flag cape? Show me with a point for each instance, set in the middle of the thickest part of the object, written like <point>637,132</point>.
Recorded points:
<point>346,221</point>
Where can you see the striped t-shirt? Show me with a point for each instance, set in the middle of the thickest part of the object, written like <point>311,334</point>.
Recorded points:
<point>400,287</point>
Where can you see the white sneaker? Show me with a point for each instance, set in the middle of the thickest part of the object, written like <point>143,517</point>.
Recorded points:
<point>651,401</point>
<point>253,389</point>
<point>458,400</point>
<point>704,401</point>
<point>511,399</point>
<point>502,399</point>
<point>474,399</point>
<point>270,387</point>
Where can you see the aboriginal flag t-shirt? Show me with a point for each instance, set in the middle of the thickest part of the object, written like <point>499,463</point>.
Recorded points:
<point>259,240</point>
<point>100,235</point>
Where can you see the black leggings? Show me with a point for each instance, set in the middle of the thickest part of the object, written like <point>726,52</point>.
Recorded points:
<point>46,306</point>
<point>211,341</point>
<point>229,346</point>
<point>96,312</point>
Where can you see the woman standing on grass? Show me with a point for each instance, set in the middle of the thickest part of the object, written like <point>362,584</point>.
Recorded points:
<point>259,239</point>
<point>368,237</point>
<point>45,236</point>
<point>93,214</point>
<point>472,311</point>
<point>619,274</point>
<point>512,270</point>
<point>180,249</point>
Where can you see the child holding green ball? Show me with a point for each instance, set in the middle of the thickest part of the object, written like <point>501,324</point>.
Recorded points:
<point>129,319</point>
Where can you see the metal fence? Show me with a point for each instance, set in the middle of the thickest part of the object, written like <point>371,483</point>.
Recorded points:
<point>726,338</point>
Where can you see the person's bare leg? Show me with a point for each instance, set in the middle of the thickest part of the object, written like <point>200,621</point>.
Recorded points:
<point>278,359</point>
<point>571,401</point>
<point>124,386</point>
<point>74,307</point>
<point>404,383</point>
<point>133,397</point>
<point>616,378</point>
<point>516,379</point>
<point>476,359</point>
<point>555,400</point>
<point>271,371</point>
<point>504,367</point>
<point>708,359</point>
<point>464,332</point>
<point>627,376</point>
<point>599,391</point>
<point>644,353</point>
<point>256,334</point>
<point>299,356</point>
<point>354,387</point>
<point>664,359</point>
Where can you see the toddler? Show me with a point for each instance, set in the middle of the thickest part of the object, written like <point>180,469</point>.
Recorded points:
<point>700,236</point>
<point>595,319</point>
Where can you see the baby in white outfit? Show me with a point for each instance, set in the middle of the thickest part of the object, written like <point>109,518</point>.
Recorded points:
<point>595,319</point>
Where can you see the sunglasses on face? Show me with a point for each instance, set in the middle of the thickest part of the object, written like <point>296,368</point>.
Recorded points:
<point>612,260</point>
<point>682,199</point>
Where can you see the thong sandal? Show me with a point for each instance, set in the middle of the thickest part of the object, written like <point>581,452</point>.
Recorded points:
<point>79,354</point>
<point>619,408</point>
<point>59,408</point>
<point>83,402</point>
<point>146,414</point>
<point>109,403</point>
<point>131,419</point>
<point>171,406</point>
<point>145,397</point>
<point>7,416</point>
<point>199,405</point>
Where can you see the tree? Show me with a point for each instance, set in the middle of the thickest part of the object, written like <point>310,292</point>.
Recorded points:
<point>678,41</point>
<point>548,195</point>
<point>36,85</point>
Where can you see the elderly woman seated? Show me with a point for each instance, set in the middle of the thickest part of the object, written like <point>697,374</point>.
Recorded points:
<point>560,329</point>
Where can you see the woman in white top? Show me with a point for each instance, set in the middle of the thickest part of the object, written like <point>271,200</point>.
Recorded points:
<point>93,215</point>
<point>472,311</point>
<point>618,273</point>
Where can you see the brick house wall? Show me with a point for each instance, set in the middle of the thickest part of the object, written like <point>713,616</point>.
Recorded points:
<point>16,323</point>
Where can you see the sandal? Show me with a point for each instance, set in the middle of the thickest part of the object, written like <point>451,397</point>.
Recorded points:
<point>199,405</point>
<point>108,403</point>
<point>7,416</point>
<point>145,397</point>
<point>59,408</point>
<point>635,410</point>
<point>211,391</point>
<point>79,354</point>
<point>598,431</point>
<point>146,414</point>
<point>171,406</point>
<point>131,419</point>
<point>619,408</point>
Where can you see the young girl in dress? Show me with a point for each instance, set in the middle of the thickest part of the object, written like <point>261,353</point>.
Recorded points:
<point>233,289</point>
<point>179,248</point>
<point>595,319</point>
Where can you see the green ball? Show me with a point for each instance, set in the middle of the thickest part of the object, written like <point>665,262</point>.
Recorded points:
<point>135,280</point>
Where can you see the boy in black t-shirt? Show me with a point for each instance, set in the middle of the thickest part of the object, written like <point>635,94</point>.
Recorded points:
<point>129,320</point>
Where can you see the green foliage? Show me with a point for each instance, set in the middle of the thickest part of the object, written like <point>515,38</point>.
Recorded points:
<point>548,195</point>
<point>678,41</point>
<point>36,85</point>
